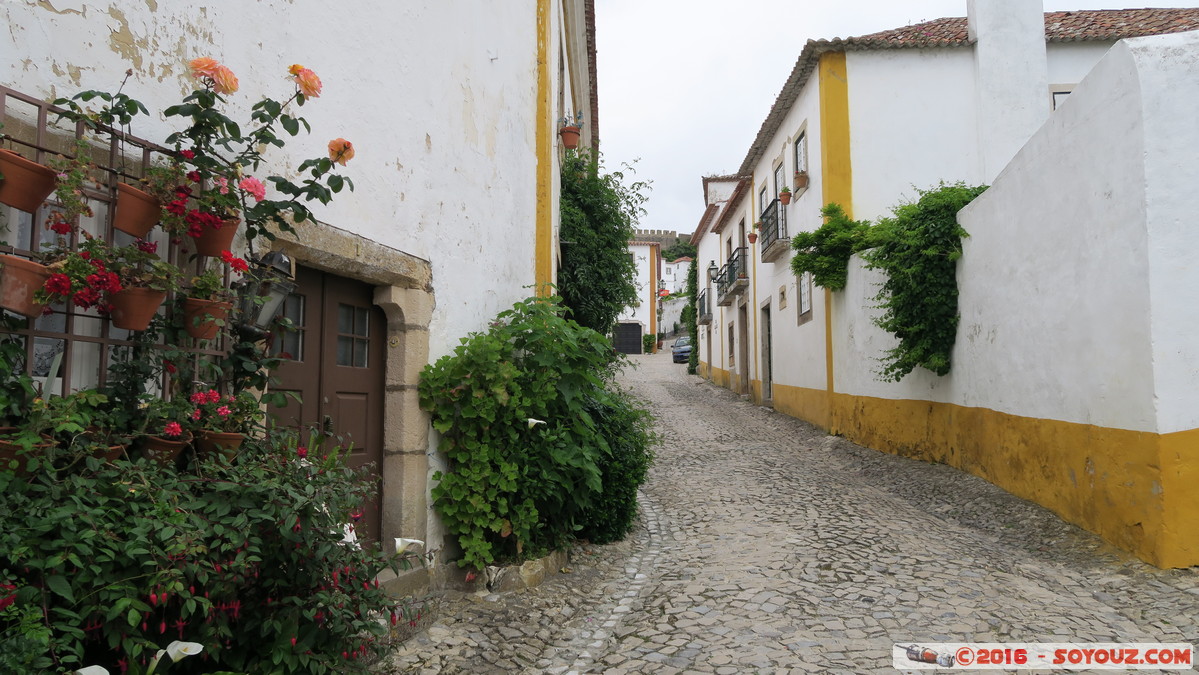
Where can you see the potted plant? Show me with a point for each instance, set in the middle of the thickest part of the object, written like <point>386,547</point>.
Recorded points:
<point>218,158</point>
<point>570,129</point>
<point>223,420</point>
<point>24,184</point>
<point>785,195</point>
<point>753,232</point>
<point>801,180</point>
<point>135,211</point>
<point>70,177</point>
<point>207,300</point>
<point>167,428</point>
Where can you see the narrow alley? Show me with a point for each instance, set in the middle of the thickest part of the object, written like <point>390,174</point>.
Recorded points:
<point>766,546</point>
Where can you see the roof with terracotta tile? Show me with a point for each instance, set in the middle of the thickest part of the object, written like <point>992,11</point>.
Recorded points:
<point>1103,25</point>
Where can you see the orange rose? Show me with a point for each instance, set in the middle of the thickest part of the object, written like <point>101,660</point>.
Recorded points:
<point>224,80</point>
<point>203,67</point>
<point>341,151</point>
<point>295,69</point>
<point>309,83</point>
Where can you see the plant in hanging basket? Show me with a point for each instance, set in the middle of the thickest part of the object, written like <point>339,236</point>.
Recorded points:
<point>238,413</point>
<point>785,195</point>
<point>801,180</point>
<point>570,129</point>
<point>71,176</point>
<point>25,184</point>
<point>207,300</point>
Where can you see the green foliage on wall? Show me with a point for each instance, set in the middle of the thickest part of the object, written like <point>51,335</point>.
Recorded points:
<point>682,249</point>
<point>691,315</point>
<point>532,425</point>
<point>825,252</point>
<point>599,211</point>
<point>918,248</point>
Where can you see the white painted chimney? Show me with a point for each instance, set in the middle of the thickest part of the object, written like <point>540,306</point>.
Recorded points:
<point>1012,76</point>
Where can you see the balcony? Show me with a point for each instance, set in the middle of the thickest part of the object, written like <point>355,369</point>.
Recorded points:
<point>773,234</point>
<point>733,278</point>
<point>703,310</point>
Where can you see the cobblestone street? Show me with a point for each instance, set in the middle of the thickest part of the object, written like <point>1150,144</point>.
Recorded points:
<point>767,547</point>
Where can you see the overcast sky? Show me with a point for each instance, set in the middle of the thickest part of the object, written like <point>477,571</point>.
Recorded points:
<point>684,86</point>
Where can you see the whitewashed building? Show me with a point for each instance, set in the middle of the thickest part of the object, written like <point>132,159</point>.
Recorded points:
<point>1065,417</point>
<point>642,318</point>
<point>453,107</point>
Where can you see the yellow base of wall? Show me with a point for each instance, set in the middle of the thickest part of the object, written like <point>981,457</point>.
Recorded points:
<point>1137,490</point>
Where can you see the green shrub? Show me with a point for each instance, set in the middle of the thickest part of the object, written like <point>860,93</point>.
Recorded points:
<point>625,457</point>
<point>524,451</point>
<point>244,558</point>
<point>648,342</point>
<point>825,251</point>
<point>918,249</point>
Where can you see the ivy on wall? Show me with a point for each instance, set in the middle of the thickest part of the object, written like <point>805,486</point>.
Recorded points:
<point>825,251</point>
<point>918,248</point>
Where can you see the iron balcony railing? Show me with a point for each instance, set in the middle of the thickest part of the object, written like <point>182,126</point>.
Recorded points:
<point>774,224</point>
<point>735,269</point>
<point>703,310</point>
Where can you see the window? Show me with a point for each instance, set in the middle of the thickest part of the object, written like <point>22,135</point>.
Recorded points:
<point>762,203</point>
<point>353,339</point>
<point>782,297</point>
<point>801,152</point>
<point>780,178</point>
<point>804,281</point>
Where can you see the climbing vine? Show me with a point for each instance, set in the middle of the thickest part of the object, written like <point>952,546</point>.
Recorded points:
<point>918,248</point>
<point>825,251</point>
<point>690,315</point>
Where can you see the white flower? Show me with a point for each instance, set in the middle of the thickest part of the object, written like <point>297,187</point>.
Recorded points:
<point>533,422</point>
<point>92,670</point>
<point>402,544</point>
<point>177,650</point>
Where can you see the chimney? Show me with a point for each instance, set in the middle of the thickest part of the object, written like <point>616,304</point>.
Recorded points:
<point>1012,76</point>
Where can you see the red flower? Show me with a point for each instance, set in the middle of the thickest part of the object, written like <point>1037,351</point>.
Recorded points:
<point>302,452</point>
<point>86,297</point>
<point>239,265</point>
<point>147,246</point>
<point>170,367</point>
<point>59,284</point>
<point>193,176</point>
<point>61,227</point>
<point>172,429</point>
<point>187,154</point>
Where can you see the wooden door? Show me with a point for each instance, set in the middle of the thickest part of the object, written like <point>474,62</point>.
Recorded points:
<point>336,370</point>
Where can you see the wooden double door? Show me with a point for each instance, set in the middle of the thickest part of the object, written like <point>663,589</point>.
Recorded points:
<point>336,368</point>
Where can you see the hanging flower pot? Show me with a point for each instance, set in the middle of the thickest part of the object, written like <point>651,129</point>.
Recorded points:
<point>136,211</point>
<point>213,241</point>
<point>133,307</point>
<point>26,183</point>
<point>570,137</point>
<point>19,280</point>
<point>208,443</point>
<point>163,451</point>
<point>200,317</point>
<point>753,237</point>
<point>785,197</point>
<point>801,180</point>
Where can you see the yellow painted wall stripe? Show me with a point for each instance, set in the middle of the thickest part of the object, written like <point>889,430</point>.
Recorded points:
<point>544,234</point>
<point>836,172</point>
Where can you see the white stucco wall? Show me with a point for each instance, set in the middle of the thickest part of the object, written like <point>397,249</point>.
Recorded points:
<point>645,257</point>
<point>912,123</point>
<point>1074,284</point>
<point>438,97</point>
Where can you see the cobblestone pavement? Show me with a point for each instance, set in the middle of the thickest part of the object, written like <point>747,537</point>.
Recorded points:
<point>766,546</point>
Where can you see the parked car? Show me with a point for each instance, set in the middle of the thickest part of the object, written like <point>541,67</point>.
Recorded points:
<point>681,349</point>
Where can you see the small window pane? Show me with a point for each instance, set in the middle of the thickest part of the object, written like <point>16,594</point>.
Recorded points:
<point>360,352</point>
<point>361,318</point>
<point>345,350</point>
<point>345,319</point>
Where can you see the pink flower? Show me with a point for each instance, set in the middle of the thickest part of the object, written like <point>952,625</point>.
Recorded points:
<point>196,415</point>
<point>224,411</point>
<point>222,183</point>
<point>341,151</point>
<point>308,82</point>
<point>224,81</point>
<point>172,429</point>
<point>253,186</point>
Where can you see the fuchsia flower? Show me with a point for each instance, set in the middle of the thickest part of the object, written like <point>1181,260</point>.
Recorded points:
<point>224,411</point>
<point>172,429</point>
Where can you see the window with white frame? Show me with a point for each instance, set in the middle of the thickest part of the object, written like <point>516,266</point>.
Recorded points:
<point>800,149</point>
<point>762,203</point>
<point>804,281</point>
<point>780,178</point>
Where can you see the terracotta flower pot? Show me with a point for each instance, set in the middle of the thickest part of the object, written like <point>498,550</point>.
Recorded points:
<point>132,308</point>
<point>785,198</point>
<point>753,237</point>
<point>26,183</point>
<point>570,137</point>
<point>209,443</point>
<point>212,241</point>
<point>108,454</point>
<point>10,451</point>
<point>200,317</point>
<point>163,451</point>
<point>19,280</point>
<point>801,180</point>
<point>137,211</point>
